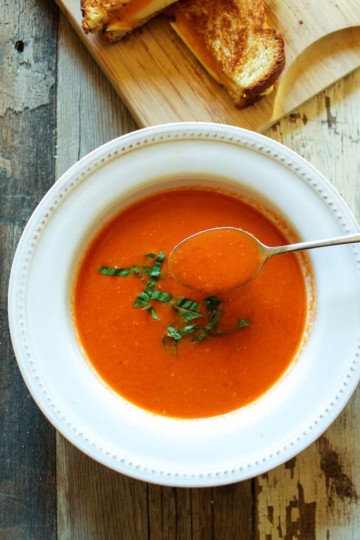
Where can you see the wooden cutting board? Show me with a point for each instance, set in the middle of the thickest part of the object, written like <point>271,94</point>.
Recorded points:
<point>160,81</point>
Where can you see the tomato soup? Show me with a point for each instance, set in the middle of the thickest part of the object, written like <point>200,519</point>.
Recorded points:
<point>176,351</point>
<point>217,259</point>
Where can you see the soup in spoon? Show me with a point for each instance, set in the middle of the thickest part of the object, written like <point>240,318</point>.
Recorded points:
<point>219,259</point>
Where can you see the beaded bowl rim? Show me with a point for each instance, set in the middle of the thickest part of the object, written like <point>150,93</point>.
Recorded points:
<point>62,189</point>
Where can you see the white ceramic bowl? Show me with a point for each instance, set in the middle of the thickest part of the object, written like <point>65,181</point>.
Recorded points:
<point>130,440</point>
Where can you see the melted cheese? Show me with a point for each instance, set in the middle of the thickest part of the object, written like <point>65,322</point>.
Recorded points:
<point>134,12</point>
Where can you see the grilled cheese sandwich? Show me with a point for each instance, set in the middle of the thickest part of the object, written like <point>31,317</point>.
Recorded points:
<point>233,42</point>
<point>116,18</point>
<point>230,38</point>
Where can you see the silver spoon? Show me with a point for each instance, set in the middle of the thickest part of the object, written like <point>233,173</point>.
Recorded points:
<point>259,253</point>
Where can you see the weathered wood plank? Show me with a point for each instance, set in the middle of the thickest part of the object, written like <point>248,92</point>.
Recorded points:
<point>202,508</point>
<point>176,514</point>
<point>180,513</point>
<point>27,117</point>
<point>89,112</point>
<point>233,511</point>
<point>95,502</point>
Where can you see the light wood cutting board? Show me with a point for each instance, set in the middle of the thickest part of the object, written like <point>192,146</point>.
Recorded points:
<point>160,81</point>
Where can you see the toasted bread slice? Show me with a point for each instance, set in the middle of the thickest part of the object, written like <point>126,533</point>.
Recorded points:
<point>115,18</point>
<point>231,39</point>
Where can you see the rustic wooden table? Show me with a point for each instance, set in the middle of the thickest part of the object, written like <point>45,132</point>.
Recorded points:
<point>55,106</point>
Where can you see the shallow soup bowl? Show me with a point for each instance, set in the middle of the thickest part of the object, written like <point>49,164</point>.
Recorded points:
<point>185,452</point>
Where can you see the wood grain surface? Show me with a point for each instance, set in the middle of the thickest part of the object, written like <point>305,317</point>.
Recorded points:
<point>160,80</point>
<point>55,106</point>
<point>27,119</point>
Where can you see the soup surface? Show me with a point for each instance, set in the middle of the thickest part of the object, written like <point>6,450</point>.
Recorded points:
<point>177,351</point>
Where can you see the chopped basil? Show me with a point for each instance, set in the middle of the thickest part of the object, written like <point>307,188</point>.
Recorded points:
<point>142,300</point>
<point>212,302</point>
<point>156,267</point>
<point>161,297</point>
<point>178,334</point>
<point>187,308</point>
<point>173,333</point>
<point>153,313</point>
<point>115,271</point>
<point>214,316</point>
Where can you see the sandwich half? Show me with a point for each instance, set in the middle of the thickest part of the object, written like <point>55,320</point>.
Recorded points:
<point>116,18</point>
<point>233,42</point>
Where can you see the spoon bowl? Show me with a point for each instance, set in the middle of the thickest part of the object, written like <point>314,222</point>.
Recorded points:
<point>226,258</point>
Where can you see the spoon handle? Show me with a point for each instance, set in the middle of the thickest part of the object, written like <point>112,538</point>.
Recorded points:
<point>350,239</point>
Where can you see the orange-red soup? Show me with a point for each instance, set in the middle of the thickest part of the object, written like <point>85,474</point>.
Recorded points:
<point>217,259</point>
<point>194,379</point>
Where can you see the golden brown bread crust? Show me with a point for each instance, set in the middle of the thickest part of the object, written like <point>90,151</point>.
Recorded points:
<point>235,35</point>
<point>115,18</point>
<point>96,13</point>
<point>258,90</point>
